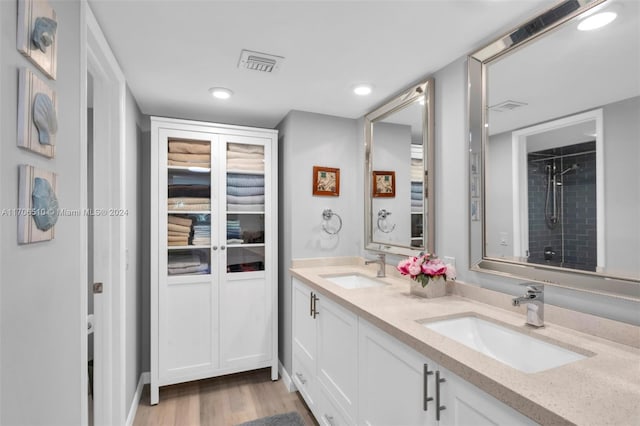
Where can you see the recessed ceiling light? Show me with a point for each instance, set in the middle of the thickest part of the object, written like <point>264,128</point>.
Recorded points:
<point>220,92</point>
<point>362,89</point>
<point>596,21</point>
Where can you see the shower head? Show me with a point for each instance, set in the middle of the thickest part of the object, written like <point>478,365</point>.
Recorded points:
<point>573,167</point>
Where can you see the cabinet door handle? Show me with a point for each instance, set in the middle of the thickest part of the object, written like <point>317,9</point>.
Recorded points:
<point>329,419</point>
<point>214,248</point>
<point>438,406</point>
<point>222,247</point>
<point>311,304</point>
<point>426,397</point>
<point>315,306</point>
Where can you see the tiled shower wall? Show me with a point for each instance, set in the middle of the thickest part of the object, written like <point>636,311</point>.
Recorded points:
<point>573,239</point>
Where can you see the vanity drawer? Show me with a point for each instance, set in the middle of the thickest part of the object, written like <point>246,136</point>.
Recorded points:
<point>327,412</point>
<point>303,376</point>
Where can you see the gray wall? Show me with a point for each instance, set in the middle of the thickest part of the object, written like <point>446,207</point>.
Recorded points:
<point>308,140</point>
<point>40,312</point>
<point>133,287</point>
<point>392,152</point>
<point>622,226</point>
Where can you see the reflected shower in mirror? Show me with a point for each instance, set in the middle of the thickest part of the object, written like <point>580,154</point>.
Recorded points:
<point>397,180</point>
<point>557,129</point>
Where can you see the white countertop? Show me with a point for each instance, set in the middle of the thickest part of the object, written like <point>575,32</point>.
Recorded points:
<point>603,389</point>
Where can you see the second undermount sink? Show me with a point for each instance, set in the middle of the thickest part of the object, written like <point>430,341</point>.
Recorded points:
<point>353,280</point>
<point>518,350</point>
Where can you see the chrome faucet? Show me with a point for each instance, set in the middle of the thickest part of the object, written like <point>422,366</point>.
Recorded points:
<point>534,298</point>
<point>381,261</point>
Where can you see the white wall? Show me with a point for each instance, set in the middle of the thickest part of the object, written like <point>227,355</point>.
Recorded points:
<point>42,286</point>
<point>308,140</point>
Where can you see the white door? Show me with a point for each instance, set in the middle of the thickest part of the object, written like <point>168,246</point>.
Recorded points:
<point>304,342</point>
<point>466,405</point>
<point>391,382</point>
<point>106,176</point>
<point>338,354</point>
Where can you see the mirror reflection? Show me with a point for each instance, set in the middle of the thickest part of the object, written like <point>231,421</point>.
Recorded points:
<point>562,149</point>
<point>397,134</point>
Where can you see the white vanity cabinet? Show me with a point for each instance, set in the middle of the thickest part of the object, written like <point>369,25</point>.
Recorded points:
<point>350,372</point>
<point>397,386</point>
<point>325,355</point>
<point>468,405</point>
<point>393,383</point>
<point>213,250</point>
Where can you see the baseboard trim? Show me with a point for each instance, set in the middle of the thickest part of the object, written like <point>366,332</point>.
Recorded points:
<point>286,379</point>
<point>145,378</point>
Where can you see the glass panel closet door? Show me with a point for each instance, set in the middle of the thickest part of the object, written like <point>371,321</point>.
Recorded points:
<point>189,183</point>
<point>245,195</point>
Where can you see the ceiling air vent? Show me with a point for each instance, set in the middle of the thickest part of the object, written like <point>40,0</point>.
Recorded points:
<point>257,61</point>
<point>507,106</point>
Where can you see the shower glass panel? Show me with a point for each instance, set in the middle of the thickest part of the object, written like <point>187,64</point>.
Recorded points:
<point>562,206</point>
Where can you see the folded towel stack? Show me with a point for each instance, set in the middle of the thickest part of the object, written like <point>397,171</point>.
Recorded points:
<point>201,234</point>
<point>245,192</point>
<point>179,230</point>
<point>417,197</point>
<point>189,203</point>
<point>417,170</point>
<point>245,158</point>
<point>189,153</point>
<point>187,264</point>
<point>234,232</point>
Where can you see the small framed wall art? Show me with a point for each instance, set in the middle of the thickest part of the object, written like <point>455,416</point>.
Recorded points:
<point>37,30</point>
<point>384,184</point>
<point>326,181</point>
<point>37,204</point>
<point>37,116</point>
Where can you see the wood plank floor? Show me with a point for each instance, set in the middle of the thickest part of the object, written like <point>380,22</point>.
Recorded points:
<point>222,401</point>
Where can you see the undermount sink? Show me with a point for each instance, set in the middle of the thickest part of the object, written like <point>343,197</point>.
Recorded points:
<point>518,350</point>
<point>352,280</point>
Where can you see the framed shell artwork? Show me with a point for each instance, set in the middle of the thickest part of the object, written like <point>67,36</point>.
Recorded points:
<point>37,34</point>
<point>37,116</point>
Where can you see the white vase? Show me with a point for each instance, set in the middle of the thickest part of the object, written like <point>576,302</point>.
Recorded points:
<point>437,287</point>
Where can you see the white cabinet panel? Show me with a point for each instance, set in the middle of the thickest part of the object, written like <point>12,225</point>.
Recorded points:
<point>466,405</point>
<point>304,325</point>
<point>188,332</point>
<point>245,322</point>
<point>391,381</point>
<point>338,354</point>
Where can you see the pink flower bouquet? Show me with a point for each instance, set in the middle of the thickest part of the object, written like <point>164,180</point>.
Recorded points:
<point>426,267</point>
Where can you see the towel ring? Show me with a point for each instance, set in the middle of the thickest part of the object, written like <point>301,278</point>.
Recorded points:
<point>327,214</point>
<point>382,216</point>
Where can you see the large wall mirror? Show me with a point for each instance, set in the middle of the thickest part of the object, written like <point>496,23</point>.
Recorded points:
<point>399,159</point>
<point>555,149</point>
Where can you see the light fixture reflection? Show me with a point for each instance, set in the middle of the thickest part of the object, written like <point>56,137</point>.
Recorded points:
<point>597,20</point>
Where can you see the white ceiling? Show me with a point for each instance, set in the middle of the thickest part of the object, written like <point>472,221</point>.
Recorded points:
<point>172,52</point>
<point>568,71</point>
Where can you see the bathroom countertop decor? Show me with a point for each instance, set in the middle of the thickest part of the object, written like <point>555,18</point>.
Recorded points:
<point>603,388</point>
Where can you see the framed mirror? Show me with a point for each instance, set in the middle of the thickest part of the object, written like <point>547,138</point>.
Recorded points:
<point>399,164</point>
<point>554,149</point>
